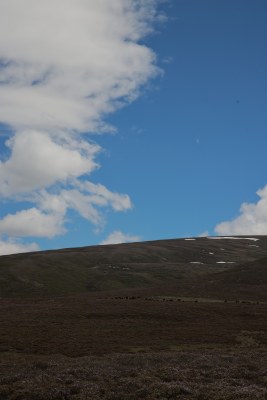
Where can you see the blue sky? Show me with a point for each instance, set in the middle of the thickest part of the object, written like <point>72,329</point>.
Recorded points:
<point>185,158</point>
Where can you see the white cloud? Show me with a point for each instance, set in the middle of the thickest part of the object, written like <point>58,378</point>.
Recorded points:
<point>251,221</point>
<point>101,196</point>
<point>65,65</point>
<point>13,247</point>
<point>48,218</point>
<point>120,237</point>
<point>38,162</point>
<point>85,199</point>
<point>32,222</point>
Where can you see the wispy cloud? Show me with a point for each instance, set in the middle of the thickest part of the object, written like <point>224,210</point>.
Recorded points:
<point>251,221</point>
<point>168,60</point>
<point>120,237</point>
<point>203,234</point>
<point>64,66</point>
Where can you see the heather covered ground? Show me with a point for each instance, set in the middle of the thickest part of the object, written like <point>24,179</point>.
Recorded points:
<point>162,320</point>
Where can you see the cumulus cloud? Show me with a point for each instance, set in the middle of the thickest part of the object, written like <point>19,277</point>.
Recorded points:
<point>251,221</point>
<point>13,247</point>
<point>67,63</point>
<point>64,66</point>
<point>47,219</point>
<point>120,237</point>
<point>32,222</point>
<point>36,161</point>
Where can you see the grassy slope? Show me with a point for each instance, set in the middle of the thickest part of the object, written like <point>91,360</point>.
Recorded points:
<point>165,264</point>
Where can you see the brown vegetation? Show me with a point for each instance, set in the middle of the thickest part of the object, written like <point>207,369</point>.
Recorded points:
<point>192,374</point>
<point>145,329</point>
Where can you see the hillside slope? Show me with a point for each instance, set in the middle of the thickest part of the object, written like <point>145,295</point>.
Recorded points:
<point>193,267</point>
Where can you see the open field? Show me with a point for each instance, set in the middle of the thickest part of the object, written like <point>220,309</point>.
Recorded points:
<point>158,320</point>
<point>85,325</point>
<point>85,347</point>
<point>188,374</point>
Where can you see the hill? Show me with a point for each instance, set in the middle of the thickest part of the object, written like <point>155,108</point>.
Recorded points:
<point>207,267</point>
<point>155,320</point>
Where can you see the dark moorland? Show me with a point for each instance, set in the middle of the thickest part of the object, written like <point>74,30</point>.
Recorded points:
<point>172,319</point>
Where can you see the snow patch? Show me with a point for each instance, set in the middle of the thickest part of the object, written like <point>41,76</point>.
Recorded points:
<point>233,237</point>
<point>196,262</point>
<point>225,262</point>
<point>189,239</point>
